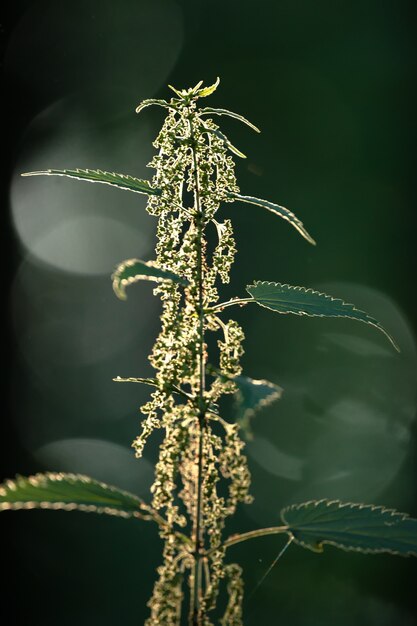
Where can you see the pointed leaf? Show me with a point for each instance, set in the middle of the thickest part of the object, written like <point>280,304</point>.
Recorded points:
<point>197,86</point>
<point>301,301</point>
<point>252,396</point>
<point>207,91</point>
<point>68,492</point>
<point>133,270</point>
<point>278,210</point>
<point>360,527</point>
<point>152,101</point>
<point>152,382</point>
<point>177,91</point>
<point>122,181</point>
<point>144,381</point>
<point>236,116</point>
<point>226,141</point>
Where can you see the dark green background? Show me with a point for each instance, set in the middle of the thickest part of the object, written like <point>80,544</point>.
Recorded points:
<point>332,85</point>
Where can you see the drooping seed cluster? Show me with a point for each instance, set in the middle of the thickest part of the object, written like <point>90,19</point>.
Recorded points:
<point>194,174</point>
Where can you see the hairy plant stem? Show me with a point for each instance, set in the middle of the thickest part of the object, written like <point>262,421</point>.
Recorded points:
<point>224,305</point>
<point>253,534</point>
<point>198,531</point>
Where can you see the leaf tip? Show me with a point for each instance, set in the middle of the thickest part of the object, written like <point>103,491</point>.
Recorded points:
<point>37,173</point>
<point>118,287</point>
<point>390,338</point>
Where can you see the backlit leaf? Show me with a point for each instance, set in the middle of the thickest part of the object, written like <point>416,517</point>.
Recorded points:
<point>133,270</point>
<point>226,142</point>
<point>207,91</point>
<point>179,92</point>
<point>301,301</point>
<point>122,181</point>
<point>278,210</point>
<point>152,101</point>
<point>153,382</point>
<point>144,381</point>
<point>360,527</point>
<point>197,86</point>
<point>68,492</point>
<point>236,116</point>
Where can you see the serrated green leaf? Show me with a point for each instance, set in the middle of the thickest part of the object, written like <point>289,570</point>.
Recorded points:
<point>236,116</point>
<point>122,181</point>
<point>133,270</point>
<point>68,492</point>
<point>152,101</point>
<point>360,527</point>
<point>226,141</point>
<point>207,91</point>
<point>301,301</point>
<point>252,396</point>
<point>281,211</point>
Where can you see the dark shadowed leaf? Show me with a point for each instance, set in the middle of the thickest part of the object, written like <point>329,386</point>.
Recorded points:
<point>252,396</point>
<point>122,181</point>
<point>301,301</point>
<point>360,527</point>
<point>68,492</point>
<point>278,210</point>
<point>150,381</point>
<point>133,270</point>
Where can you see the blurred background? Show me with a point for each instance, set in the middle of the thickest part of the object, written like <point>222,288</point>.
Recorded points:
<point>331,83</point>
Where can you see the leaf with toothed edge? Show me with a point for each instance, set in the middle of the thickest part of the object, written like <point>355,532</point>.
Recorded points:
<point>359,527</point>
<point>207,91</point>
<point>122,181</point>
<point>236,116</point>
<point>153,382</point>
<point>176,91</point>
<point>302,301</point>
<point>68,492</point>
<point>226,141</point>
<point>252,396</point>
<point>152,101</point>
<point>281,211</point>
<point>133,270</point>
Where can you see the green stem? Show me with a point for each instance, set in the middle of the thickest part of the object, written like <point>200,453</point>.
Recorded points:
<point>198,531</point>
<point>253,534</point>
<point>224,305</point>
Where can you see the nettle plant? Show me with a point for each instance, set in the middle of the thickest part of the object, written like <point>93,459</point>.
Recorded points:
<point>202,474</point>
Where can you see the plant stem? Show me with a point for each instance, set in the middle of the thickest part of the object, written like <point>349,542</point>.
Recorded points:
<point>253,534</point>
<point>224,305</point>
<point>198,531</point>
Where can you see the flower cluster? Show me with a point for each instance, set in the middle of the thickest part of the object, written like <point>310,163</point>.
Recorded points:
<point>194,174</point>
